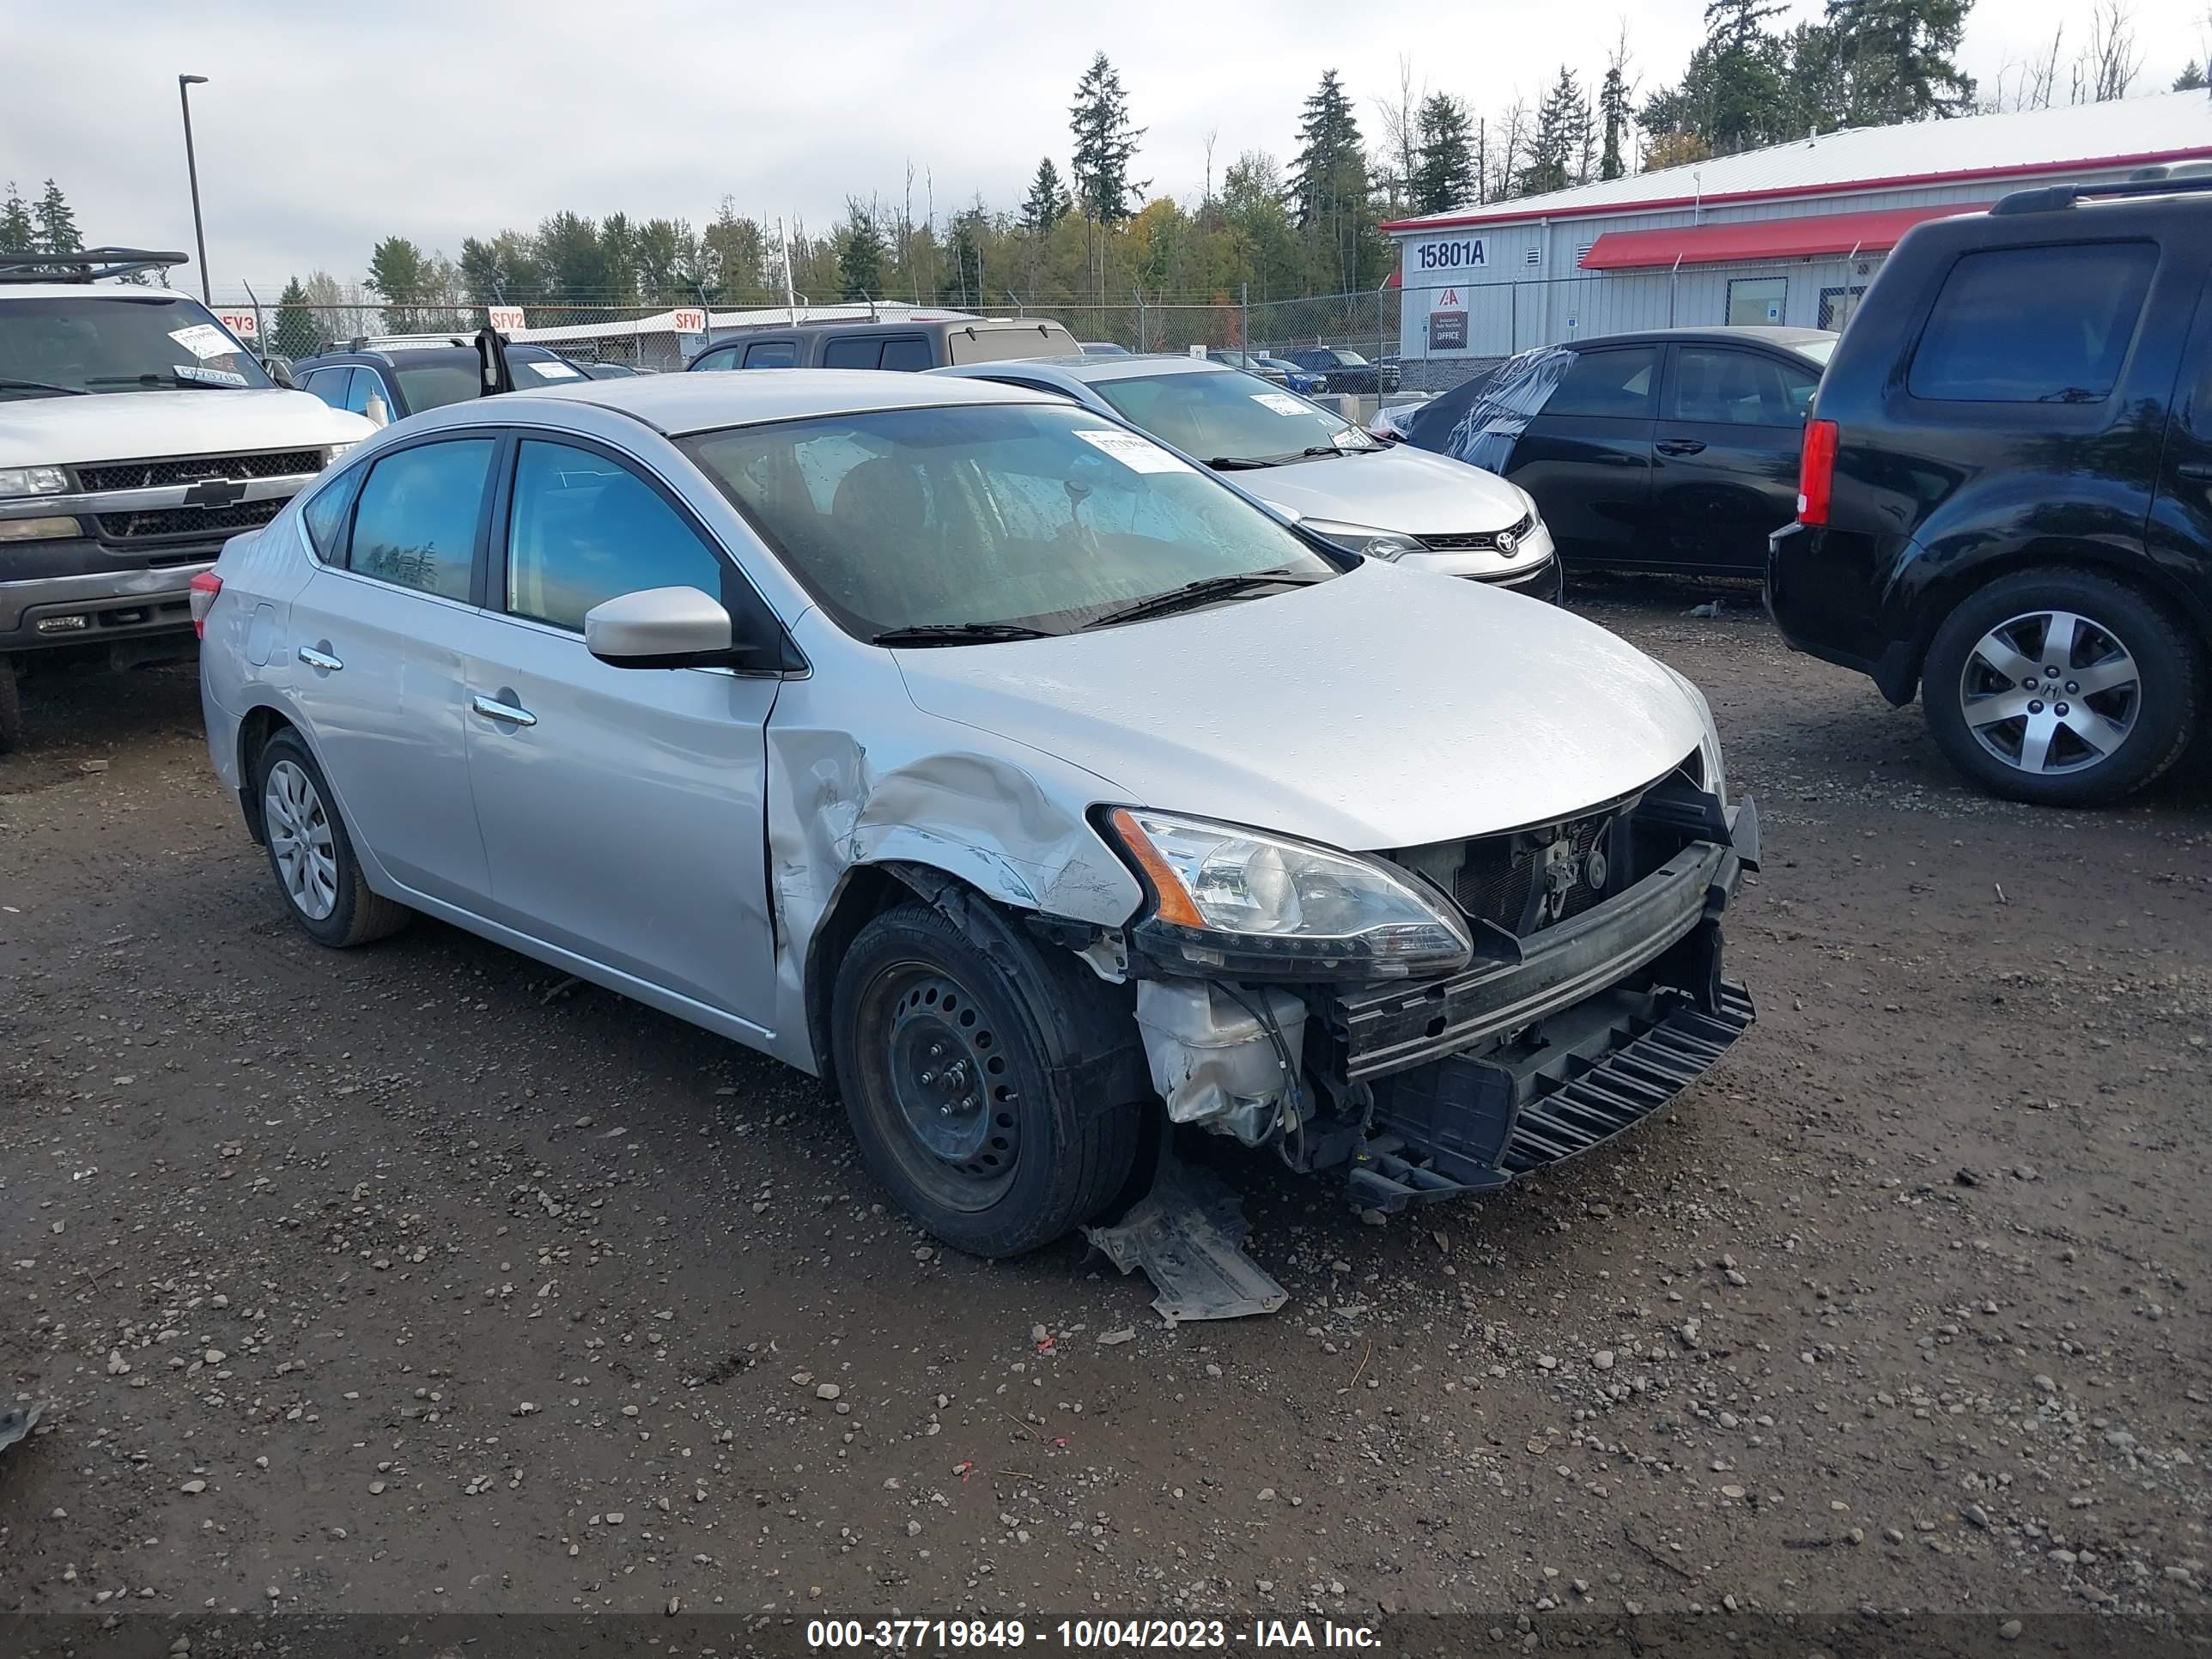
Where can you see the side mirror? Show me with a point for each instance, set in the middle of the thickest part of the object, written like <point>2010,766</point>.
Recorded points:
<point>280,372</point>
<point>664,627</point>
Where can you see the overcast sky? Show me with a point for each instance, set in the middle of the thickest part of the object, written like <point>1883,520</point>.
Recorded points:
<point>324,127</point>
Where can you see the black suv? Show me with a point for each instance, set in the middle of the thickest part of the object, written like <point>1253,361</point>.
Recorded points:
<point>399,375</point>
<point>2005,495</point>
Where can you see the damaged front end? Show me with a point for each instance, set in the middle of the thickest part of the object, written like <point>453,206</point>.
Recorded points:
<point>1580,990</point>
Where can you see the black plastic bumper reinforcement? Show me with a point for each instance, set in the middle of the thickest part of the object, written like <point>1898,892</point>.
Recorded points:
<point>1461,1127</point>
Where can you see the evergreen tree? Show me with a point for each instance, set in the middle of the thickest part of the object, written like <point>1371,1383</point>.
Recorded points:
<point>16,236</point>
<point>1443,170</point>
<point>1613,119</point>
<point>733,250</point>
<point>1562,128</point>
<point>1328,188</point>
<point>861,253</point>
<point>56,224</point>
<point>2191,79</point>
<point>1899,58</point>
<point>297,334</point>
<point>571,259</point>
<point>401,275</point>
<point>1105,144</point>
<point>1047,199</point>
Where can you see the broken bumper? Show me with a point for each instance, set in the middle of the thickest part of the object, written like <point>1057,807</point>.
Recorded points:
<point>1511,1067</point>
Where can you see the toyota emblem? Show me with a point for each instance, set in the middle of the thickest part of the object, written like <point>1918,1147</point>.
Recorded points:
<point>1507,543</point>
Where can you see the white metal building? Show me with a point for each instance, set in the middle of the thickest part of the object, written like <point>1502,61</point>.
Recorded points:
<point>1787,234</point>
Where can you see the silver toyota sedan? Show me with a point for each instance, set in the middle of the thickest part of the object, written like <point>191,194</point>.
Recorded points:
<point>967,749</point>
<point>1385,499</point>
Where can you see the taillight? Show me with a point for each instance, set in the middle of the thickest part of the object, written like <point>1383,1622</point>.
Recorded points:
<point>1816,471</point>
<point>205,586</point>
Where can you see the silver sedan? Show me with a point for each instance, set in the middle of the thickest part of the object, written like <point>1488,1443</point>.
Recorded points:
<point>970,750</point>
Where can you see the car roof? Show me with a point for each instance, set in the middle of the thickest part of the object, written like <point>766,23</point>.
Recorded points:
<point>1773,334</point>
<point>517,351</point>
<point>679,403</point>
<point>1088,369</point>
<point>87,291</point>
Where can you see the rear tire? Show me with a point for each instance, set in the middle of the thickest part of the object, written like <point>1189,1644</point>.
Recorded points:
<point>2061,687</point>
<point>310,853</point>
<point>946,1058</point>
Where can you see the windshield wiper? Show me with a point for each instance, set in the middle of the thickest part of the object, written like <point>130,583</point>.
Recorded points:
<point>967,633</point>
<point>43,386</point>
<point>2072,394</point>
<point>1203,591</point>
<point>1241,463</point>
<point>169,379</point>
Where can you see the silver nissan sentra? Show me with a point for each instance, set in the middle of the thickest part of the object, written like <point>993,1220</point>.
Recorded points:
<point>966,748</point>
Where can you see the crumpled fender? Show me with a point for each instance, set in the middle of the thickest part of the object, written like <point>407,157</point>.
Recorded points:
<point>1012,825</point>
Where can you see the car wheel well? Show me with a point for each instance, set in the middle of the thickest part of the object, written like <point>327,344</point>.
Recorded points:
<point>254,731</point>
<point>2130,571</point>
<point>865,893</point>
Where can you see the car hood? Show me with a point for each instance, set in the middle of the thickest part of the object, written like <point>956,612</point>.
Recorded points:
<point>1386,708</point>
<point>122,426</point>
<point>1393,488</point>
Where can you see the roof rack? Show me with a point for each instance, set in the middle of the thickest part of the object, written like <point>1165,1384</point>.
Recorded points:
<point>379,342</point>
<point>89,265</point>
<point>2180,179</point>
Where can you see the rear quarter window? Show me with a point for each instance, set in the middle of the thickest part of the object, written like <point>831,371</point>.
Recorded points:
<point>2034,325</point>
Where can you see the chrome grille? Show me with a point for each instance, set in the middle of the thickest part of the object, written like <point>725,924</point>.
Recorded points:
<point>191,469</point>
<point>1480,541</point>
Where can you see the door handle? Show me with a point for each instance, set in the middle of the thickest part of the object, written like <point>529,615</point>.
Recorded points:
<point>2200,470</point>
<point>1680,446</point>
<point>506,712</point>
<point>314,657</point>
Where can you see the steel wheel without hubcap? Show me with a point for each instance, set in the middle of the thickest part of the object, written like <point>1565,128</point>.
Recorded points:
<point>2048,692</point>
<point>952,1082</point>
<point>300,840</point>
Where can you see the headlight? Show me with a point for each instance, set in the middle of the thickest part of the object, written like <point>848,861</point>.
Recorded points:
<point>1365,539</point>
<point>337,451</point>
<point>1259,906</point>
<point>33,481</point>
<point>1709,743</point>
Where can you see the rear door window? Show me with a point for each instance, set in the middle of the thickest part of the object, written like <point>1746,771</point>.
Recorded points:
<point>863,352</point>
<point>1720,385</point>
<point>1618,383</point>
<point>416,523</point>
<point>908,353</point>
<point>2034,325</point>
<point>772,354</point>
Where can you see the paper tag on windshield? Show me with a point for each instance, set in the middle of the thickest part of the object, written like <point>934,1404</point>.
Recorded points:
<point>555,371</point>
<point>1138,454</point>
<point>211,376</point>
<point>1282,403</point>
<point>205,340</point>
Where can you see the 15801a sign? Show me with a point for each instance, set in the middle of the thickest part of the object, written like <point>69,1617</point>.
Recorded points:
<point>1459,253</point>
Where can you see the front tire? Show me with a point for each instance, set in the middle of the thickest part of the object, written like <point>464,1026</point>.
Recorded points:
<point>946,1058</point>
<point>2061,688</point>
<point>310,853</point>
<point>11,706</point>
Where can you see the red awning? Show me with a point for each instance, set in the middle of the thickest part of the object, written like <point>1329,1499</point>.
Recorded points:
<point>1764,239</point>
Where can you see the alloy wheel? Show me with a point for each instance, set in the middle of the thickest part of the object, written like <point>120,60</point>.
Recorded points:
<point>300,840</point>
<point>2048,692</point>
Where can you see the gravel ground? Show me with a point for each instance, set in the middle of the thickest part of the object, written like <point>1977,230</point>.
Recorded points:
<point>407,1281</point>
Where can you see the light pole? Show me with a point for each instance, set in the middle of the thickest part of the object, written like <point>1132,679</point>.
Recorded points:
<point>185,84</point>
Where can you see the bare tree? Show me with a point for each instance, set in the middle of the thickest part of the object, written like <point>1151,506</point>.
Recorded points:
<point>1401,138</point>
<point>1513,138</point>
<point>2110,61</point>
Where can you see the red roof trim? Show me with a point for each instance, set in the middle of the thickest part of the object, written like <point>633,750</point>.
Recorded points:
<point>1506,215</point>
<point>1876,232</point>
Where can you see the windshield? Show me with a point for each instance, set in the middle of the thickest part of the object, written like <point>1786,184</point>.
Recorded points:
<point>1230,415</point>
<point>117,340</point>
<point>454,377</point>
<point>1028,515</point>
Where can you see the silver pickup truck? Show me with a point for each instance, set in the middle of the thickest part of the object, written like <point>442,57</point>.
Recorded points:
<point>136,435</point>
